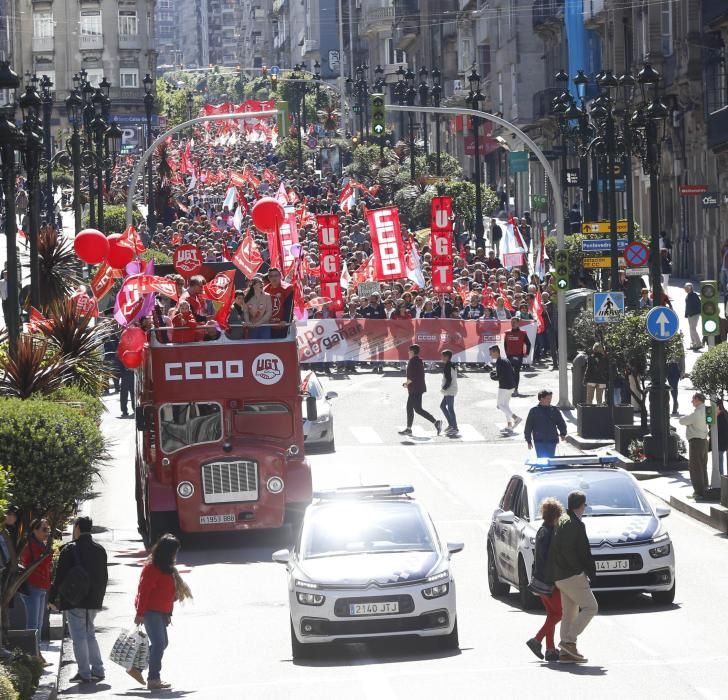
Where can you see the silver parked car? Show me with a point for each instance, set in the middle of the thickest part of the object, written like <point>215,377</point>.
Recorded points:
<point>318,422</point>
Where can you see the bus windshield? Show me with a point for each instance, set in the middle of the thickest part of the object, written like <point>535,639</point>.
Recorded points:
<point>185,424</point>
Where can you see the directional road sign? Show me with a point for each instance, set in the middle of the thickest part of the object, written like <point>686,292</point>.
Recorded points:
<point>608,306</point>
<point>637,271</point>
<point>593,245</point>
<point>600,261</point>
<point>662,323</point>
<point>710,200</point>
<point>692,190</point>
<point>603,227</point>
<point>636,254</point>
<point>274,70</point>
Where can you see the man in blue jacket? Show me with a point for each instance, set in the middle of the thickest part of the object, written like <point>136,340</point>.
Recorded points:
<point>544,426</point>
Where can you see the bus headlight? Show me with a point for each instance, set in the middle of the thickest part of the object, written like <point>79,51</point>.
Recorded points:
<point>185,489</point>
<point>275,484</point>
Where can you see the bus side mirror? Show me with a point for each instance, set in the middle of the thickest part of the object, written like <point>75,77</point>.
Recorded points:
<point>311,410</point>
<point>139,415</point>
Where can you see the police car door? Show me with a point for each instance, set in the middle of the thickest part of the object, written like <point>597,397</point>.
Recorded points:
<point>506,536</point>
<point>523,532</point>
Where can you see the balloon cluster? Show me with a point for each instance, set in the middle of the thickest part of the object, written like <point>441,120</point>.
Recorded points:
<point>130,347</point>
<point>93,247</point>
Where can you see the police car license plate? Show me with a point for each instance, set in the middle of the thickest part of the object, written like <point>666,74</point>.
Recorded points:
<point>216,519</point>
<point>384,607</point>
<point>613,565</point>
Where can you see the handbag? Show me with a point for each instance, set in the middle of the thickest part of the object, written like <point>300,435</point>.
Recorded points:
<point>538,587</point>
<point>131,650</point>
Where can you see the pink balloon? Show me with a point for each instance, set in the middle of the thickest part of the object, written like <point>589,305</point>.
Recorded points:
<point>119,255</point>
<point>268,215</point>
<point>91,246</point>
<point>132,340</point>
<point>131,360</point>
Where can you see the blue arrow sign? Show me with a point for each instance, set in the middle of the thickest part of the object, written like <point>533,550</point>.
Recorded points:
<point>662,323</point>
<point>275,70</point>
<point>592,245</point>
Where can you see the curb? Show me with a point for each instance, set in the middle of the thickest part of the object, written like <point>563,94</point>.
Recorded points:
<point>716,518</point>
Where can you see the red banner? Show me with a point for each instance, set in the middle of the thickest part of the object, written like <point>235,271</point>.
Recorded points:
<point>375,340</point>
<point>441,245</point>
<point>247,257</point>
<point>387,244</point>
<point>288,238</point>
<point>102,281</point>
<point>330,259</point>
<point>217,288</point>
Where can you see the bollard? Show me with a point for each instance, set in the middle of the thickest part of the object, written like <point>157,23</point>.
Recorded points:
<point>578,370</point>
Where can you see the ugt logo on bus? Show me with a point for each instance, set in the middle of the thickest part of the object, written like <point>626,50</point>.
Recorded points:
<point>267,368</point>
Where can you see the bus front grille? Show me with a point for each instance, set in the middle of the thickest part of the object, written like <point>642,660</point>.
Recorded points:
<point>223,482</point>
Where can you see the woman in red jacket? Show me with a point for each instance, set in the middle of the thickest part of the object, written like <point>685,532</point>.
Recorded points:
<point>39,581</point>
<point>159,586</point>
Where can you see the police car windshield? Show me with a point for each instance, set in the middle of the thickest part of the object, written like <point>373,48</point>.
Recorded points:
<point>607,492</point>
<point>346,527</point>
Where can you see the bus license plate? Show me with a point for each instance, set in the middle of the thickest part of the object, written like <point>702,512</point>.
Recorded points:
<point>384,607</point>
<point>216,519</point>
<point>613,565</point>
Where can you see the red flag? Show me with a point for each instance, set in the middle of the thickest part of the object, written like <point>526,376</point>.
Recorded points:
<point>226,252</point>
<point>237,179</point>
<point>176,238</point>
<point>387,243</point>
<point>217,287</point>
<point>268,176</point>
<point>102,281</point>
<point>441,244</point>
<point>365,272</point>
<point>288,237</point>
<point>346,198</point>
<point>38,322</point>
<point>504,295</point>
<point>247,257</point>
<point>516,232</point>
<point>488,298</point>
<point>330,258</point>
<point>84,305</point>
<point>131,238</point>
<point>538,310</point>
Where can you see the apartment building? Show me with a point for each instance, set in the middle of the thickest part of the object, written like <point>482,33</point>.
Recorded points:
<point>107,38</point>
<point>259,26</point>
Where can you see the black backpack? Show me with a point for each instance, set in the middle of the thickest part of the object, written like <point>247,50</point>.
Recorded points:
<point>76,584</point>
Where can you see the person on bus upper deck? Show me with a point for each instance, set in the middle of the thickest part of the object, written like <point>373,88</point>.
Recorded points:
<point>258,310</point>
<point>282,299</point>
<point>185,325</point>
<point>236,317</point>
<point>193,296</point>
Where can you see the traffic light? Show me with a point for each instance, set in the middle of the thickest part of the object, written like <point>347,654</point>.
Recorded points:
<point>562,269</point>
<point>709,414</point>
<point>709,311</point>
<point>376,109</point>
<point>282,119</point>
<point>274,83</point>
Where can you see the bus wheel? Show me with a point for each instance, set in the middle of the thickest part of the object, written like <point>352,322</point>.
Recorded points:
<point>160,523</point>
<point>141,520</point>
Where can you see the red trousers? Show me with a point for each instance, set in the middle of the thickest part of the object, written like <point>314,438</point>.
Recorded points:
<point>552,604</point>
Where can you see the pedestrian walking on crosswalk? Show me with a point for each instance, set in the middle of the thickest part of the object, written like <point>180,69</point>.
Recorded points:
<point>449,390</point>
<point>416,387</point>
<point>503,373</point>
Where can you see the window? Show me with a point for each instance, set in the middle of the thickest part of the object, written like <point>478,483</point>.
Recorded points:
<point>129,78</point>
<point>511,495</point>
<point>394,55</point>
<point>95,76</point>
<point>43,24</point>
<point>269,418</point>
<point>522,507</point>
<point>666,29</point>
<point>128,23</point>
<point>164,4</point>
<point>91,23</point>
<point>185,424</point>
<point>514,93</point>
<point>465,55</point>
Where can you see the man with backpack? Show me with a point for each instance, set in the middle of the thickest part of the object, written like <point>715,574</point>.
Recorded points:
<point>78,588</point>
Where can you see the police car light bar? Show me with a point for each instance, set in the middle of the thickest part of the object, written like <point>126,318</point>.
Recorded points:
<point>364,492</point>
<point>545,463</point>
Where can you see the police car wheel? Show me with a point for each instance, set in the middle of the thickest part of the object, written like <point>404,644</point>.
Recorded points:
<point>528,600</point>
<point>664,597</point>
<point>497,588</point>
<point>449,642</point>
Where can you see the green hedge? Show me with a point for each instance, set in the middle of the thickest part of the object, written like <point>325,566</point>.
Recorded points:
<point>53,451</point>
<point>19,676</point>
<point>90,406</point>
<point>115,218</point>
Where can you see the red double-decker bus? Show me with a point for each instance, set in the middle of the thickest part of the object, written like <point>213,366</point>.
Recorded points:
<point>219,436</point>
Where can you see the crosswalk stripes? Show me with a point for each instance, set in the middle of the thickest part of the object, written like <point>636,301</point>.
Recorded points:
<point>366,435</point>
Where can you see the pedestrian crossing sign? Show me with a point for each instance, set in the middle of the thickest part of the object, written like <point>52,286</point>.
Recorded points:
<point>608,307</point>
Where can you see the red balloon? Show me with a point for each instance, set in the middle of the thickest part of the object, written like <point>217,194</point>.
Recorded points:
<point>131,360</point>
<point>91,246</point>
<point>132,340</point>
<point>268,215</point>
<point>120,255</point>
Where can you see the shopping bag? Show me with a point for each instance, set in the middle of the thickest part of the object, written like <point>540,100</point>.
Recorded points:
<point>128,646</point>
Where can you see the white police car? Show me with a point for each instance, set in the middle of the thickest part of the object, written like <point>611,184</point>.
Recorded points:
<point>632,550</point>
<point>368,563</point>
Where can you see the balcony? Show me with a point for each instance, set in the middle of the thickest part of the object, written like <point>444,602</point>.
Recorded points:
<point>126,94</point>
<point>718,130</point>
<point>594,13</point>
<point>278,6</point>
<point>309,46</point>
<point>407,23</point>
<point>376,19</point>
<point>130,41</point>
<point>543,102</point>
<point>91,42</point>
<point>547,17</point>
<point>42,44</point>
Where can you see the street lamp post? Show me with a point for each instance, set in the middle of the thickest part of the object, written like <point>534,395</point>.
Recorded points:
<point>99,126</point>
<point>9,142</point>
<point>74,107</point>
<point>87,93</point>
<point>317,84</point>
<point>149,107</point>
<point>473,100</point>
<point>30,105</point>
<point>651,125</point>
<point>190,104</point>
<point>411,95</point>
<point>46,84</point>
<point>379,85</point>
<point>424,91</point>
<point>299,100</point>
<point>400,92</point>
<point>436,95</point>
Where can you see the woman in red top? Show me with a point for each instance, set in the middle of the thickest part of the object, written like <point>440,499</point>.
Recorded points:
<point>39,581</point>
<point>185,321</point>
<point>159,587</point>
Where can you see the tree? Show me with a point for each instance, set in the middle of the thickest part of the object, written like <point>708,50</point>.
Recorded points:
<point>58,265</point>
<point>710,372</point>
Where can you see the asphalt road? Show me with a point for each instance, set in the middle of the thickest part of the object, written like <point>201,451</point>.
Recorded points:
<point>232,641</point>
